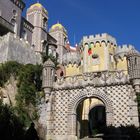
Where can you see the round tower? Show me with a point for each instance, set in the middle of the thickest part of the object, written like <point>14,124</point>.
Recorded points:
<point>60,34</point>
<point>120,57</point>
<point>133,60</point>
<point>48,77</point>
<point>71,62</point>
<point>37,15</point>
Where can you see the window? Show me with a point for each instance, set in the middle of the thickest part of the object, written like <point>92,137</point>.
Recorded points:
<point>13,22</point>
<point>14,12</point>
<point>61,74</point>
<point>45,23</point>
<point>128,62</point>
<point>135,61</point>
<point>24,35</point>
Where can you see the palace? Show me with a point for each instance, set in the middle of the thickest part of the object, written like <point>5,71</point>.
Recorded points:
<point>95,83</point>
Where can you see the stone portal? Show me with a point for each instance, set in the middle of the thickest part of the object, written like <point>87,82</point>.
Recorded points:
<point>91,118</point>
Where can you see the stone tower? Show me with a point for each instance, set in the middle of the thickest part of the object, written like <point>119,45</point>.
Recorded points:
<point>47,85</point>
<point>97,53</point>
<point>133,58</point>
<point>48,77</point>
<point>60,34</point>
<point>71,62</point>
<point>38,16</point>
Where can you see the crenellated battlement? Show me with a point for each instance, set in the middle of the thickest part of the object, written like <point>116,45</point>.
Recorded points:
<point>104,37</point>
<point>103,78</point>
<point>71,58</point>
<point>122,51</point>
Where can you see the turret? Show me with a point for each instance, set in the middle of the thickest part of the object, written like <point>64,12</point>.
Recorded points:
<point>71,62</point>
<point>97,52</point>
<point>48,77</point>
<point>133,59</point>
<point>60,34</point>
<point>37,15</point>
<point>120,57</point>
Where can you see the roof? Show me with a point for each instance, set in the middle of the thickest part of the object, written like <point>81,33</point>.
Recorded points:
<point>58,26</point>
<point>38,6</point>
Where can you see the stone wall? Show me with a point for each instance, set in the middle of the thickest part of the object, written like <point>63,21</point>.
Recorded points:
<point>117,95</point>
<point>7,8</point>
<point>15,49</point>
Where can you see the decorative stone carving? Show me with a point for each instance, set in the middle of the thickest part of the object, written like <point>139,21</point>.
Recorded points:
<point>96,79</point>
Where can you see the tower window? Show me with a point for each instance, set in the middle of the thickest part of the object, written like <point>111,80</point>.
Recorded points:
<point>14,12</point>
<point>13,21</point>
<point>45,23</point>
<point>135,61</point>
<point>128,62</point>
<point>24,35</point>
<point>61,74</point>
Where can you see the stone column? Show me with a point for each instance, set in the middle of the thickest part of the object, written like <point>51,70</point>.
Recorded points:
<point>72,127</point>
<point>109,118</point>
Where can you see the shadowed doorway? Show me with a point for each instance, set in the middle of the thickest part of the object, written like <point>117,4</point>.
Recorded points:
<point>91,118</point>
<point>97,120</point>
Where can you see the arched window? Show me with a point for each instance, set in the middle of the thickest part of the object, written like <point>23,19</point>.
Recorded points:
<point>52,72</point>
<point>13,22</point>
<point>61,74</point>
<point>128,62</point>
<point>24,35</point>
<point>135,61</point>
<point>45,23</point>
<point>14,12</point>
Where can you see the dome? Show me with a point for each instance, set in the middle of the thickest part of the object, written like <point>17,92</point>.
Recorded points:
<point>57,26</point>
<point>38,6</point>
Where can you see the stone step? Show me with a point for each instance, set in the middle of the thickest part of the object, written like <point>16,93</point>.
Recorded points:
<point>92,139</point>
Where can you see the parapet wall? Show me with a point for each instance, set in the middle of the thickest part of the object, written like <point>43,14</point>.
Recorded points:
<point>15,49</point>
<point>99,38</point>
<point>121,51</point>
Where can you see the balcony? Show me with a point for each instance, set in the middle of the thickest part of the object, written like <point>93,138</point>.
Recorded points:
<point>5,26</point>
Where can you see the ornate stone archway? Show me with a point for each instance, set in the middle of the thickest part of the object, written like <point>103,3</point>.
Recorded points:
<point>81,96</point>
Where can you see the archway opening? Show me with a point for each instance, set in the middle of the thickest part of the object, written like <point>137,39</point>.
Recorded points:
<point>97,120</point>
<point>91,118</point>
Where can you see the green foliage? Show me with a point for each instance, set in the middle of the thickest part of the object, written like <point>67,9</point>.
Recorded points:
<point>10,125</point>
<point>46,57</point>
<point>29,85</point>
<point>7,69</point>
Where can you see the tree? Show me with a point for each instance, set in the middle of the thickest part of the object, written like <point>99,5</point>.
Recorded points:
<point>10,125</point>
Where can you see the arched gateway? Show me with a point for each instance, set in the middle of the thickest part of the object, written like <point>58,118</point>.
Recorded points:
<point>112,89</point>
<point>82,96</point>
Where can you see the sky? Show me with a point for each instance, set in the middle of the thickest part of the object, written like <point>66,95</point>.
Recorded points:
<point>119,18</point>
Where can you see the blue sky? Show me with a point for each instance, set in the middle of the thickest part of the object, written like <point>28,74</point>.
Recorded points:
<point>119,18</point>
